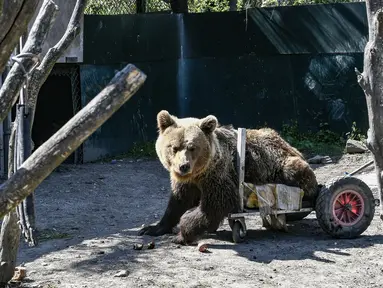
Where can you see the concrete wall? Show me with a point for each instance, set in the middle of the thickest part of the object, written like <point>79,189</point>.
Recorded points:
<point>59,26</point>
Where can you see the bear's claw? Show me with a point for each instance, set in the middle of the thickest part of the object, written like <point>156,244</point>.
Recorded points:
<point>179,239</point>
<point>155,230</point>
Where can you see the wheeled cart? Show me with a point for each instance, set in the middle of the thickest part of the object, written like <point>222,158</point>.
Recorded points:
<point>344,208</point>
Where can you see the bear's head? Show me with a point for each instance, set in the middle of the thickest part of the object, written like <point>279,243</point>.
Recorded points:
<point>185,146</point>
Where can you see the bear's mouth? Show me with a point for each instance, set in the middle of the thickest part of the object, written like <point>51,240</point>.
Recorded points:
<point>182,176</point>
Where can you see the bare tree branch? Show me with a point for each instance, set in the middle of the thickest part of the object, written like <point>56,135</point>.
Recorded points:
<point>14,22</point>
<point>54,151</point>
<point>42,72</point>
<point>16,77</point>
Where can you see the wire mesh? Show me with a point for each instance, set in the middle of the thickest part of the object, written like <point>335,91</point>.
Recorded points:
<point>115,7</point>
<point>74,74</point>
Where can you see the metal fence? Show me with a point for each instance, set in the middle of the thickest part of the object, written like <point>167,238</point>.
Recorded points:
<point>113,7</point>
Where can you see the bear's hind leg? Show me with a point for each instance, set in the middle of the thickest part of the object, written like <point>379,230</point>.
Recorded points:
<point>183,197</point>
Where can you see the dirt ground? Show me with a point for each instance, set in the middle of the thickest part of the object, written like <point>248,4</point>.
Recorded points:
<point>89,216</point>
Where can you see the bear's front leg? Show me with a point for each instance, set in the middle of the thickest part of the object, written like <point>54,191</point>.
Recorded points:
<point>183,197</point>
<point>194,223</point>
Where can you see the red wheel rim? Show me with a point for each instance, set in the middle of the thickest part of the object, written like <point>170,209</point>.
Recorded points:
<point>348,208</point>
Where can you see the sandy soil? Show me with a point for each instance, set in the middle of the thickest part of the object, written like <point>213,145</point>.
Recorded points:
<point>89,216</point>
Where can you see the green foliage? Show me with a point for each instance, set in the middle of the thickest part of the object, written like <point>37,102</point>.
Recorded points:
<point>310,143</point>
<point>201,6</point>
<point>114,7</point>
<point>273,3</point>
<point>145,149</point>
<point>355,133</point>
<point>110,7</point>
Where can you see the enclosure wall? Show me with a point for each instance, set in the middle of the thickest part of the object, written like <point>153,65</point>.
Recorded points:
<point>249,68</point>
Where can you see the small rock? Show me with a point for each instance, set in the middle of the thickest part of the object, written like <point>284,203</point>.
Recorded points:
<point>354,146</point>
<point>19,274</point>
<point>122,273</point>
<point>254,257</point>
<point>100,252</point>
<point>137,246</point>
<point>202,247</point>
<point>319,159</point>
<point>151,245</point>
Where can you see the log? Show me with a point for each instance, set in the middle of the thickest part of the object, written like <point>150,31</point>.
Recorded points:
<point>33,47</point>
<point>14,21</point>
<point>58,147</point>
<point>371,81</point>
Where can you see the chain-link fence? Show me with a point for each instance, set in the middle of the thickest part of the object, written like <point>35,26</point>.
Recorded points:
<point>113,7</point>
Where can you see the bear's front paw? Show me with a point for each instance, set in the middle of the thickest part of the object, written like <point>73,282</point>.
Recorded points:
<point>179,239</point>
<point>155,230</point>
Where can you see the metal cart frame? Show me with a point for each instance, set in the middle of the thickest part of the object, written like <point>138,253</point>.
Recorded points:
<point>237,220</point>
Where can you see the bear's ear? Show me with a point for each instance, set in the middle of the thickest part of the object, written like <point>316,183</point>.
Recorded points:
<point>164,120</point>
<point>208,124</point>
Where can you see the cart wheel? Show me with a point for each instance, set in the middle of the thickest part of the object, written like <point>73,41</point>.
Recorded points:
<point>231,223</point>
<point>345,207</point>
<point>239,232</point>
<point>296,216</point>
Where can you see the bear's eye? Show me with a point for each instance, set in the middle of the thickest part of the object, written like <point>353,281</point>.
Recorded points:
<point>175,149</point>
<point>191,148</point>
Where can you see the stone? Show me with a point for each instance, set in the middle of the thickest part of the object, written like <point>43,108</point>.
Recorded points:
<point>122,273</point>
<point>319,159</point>
<point>354,146</point>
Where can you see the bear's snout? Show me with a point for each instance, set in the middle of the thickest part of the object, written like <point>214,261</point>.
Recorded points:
<point>184,168</point>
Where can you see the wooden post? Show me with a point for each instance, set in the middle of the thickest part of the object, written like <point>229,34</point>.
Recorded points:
<point>241,152</point>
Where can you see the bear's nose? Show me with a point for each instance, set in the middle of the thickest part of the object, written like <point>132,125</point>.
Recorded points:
<point>184,168</point>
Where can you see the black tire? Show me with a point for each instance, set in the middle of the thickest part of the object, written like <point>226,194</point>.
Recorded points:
<point>231,223</point>
<point>291,217</point>
<point>324,208</point>
<point>239,234</point>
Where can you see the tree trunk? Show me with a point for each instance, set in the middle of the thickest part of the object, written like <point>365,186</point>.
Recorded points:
<point>33,47</point>
<point>179,6</point>
<point>371,81</point>
<point>9,245</point>
<point>58,147</point>
<point>10,229</point>
<point>14,21</point>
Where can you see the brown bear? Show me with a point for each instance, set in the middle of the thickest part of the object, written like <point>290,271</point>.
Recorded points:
<point>201,158</point>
